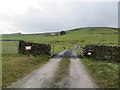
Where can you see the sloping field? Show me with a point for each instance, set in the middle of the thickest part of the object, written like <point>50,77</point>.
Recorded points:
<point>9,46</point>
<point>82,37</point>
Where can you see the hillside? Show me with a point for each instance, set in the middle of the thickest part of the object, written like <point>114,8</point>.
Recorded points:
<point>79,36</point>
<point>83,36</point>
<point>99,70</point>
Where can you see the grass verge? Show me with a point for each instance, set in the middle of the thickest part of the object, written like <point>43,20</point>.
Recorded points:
<point>15,66</point>
<point>59,47</point>
<point>62,72</point>
<point>105,74</point>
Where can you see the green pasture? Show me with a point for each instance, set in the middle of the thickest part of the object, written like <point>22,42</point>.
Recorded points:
<point>9,46</point>
<point>59,47</point>
<point>21,37</point>
<point>105,74</point>
<point>82,37</point>
<point>15,66</point>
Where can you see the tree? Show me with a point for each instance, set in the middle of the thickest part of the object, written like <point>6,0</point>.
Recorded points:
<point>62,33</point>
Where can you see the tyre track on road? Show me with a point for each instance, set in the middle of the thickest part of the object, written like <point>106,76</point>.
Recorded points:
<point>40,78</point>
<point>43,77</point>
<point>79,77</point>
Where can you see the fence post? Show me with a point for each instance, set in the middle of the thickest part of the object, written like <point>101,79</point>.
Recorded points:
<point>53,49</point>
<point>21,46</point>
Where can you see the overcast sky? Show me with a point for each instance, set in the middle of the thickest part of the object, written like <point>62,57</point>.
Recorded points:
<point>32,16</point>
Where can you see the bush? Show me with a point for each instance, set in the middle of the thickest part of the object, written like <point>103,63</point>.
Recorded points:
<point>62,33</point>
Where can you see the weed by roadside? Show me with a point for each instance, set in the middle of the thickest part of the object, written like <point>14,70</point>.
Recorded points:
<point>105,74</point>
<point>15,66</point>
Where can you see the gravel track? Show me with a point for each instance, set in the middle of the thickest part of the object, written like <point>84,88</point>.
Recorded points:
<point>40,78</point>
<point>79,77</point>
<point>44,76</point>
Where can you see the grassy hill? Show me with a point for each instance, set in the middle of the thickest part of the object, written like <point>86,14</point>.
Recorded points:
<point>105,74</point>
<point>79,36</point>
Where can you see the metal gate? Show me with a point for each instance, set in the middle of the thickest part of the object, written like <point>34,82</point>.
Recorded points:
<point>9,46</point>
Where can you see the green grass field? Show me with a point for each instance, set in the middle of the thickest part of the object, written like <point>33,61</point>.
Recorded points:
<point>9,46</point>
<point>82,37</point>
<point>101,71</point>
<point>105,74</point>
<point>0,70</point>
<point>15,66</point>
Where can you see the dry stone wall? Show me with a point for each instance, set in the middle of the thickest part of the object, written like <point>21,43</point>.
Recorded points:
<point>101,52</point>
<point>34,48</point>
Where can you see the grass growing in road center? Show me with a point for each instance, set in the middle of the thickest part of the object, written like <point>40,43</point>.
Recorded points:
<point>82,37</point>
<point>62,72</point>
<point>15,66</point>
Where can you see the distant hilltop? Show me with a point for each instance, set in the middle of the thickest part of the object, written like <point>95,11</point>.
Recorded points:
<point>57,32</point>
<point>13,34</point>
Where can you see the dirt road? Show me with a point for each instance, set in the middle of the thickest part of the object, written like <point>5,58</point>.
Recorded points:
<point>79,77</point>
<point>44,76</point>
<point>40,78</point>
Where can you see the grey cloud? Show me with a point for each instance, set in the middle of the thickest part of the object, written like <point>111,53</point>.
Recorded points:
<point>67,16</point>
